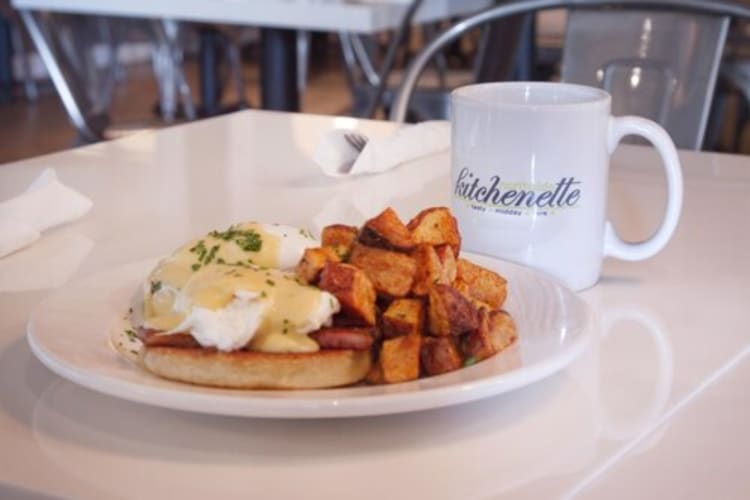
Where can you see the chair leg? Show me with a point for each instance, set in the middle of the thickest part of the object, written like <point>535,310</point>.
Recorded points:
<point>234,57</point>
<point>165,81</point>
<point>29,84</point>
<point>71,92</point>
<point>172,33</point>
<point>303,60</point>
<point>390,56</point>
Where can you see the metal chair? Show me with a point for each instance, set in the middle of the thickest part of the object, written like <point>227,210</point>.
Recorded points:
<point>372,88</point>
<point>656,64</point>
<point>667,79</point>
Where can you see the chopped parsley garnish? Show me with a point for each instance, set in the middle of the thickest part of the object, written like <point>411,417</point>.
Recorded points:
<point>470,361</point>
<point>134,352</point>
<point>270,283</point>
<point>205,256</point>
<point>131,334</point>
<point>155,286</point>
<point>247,239</point>
<point>307,234</point>
<point>263,294</point>
<point>211,254</point>
<point>200,249</point>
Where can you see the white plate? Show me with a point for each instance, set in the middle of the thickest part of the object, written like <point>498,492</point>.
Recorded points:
<point>69,332</point>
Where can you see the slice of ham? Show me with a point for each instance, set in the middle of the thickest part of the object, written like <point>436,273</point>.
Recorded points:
<point>153,338</point>
<point>356,339</point>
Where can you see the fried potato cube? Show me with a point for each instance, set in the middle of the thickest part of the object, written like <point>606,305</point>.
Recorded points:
<point>450,313</point>
<point>448,263</point>
<point>392,273</point>
<point>375,375</point>
<point>496,332</point>
<point>339,236</point>
<point>386,231</point>
<point>403,317</point>
<point>436,226</point>
<point>482,284</point>
<point>429,271</point>
<point>465,289</point>
<point>439,355</point>
<point>352,288</point>
<point>477,345</point>
<point>502,330</point>
<point>399,358</point>
<point>313,260</point>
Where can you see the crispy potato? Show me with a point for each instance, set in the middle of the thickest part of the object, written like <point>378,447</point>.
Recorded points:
<point>392,273</point>
<point>403,317</point>
<point>465,290</point>
<point>496,332</point>
<point>407,297</point>
<point>429,271</point>
<point>352,288</point>
<point>313,260</point>
<point>450,313</point>
<point>439,355</point>
<point>477,345</point>
<point>436,226</point>
<point>502,330</point>
<point>375,375</point>
<point>482,284</point>
<point>448,264</point>
<point>386,231</point>
<point>340,237</point>
<point>399,358</point>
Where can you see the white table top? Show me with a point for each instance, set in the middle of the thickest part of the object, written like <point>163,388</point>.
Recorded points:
<point>657,407</point>
<point>362,16</point>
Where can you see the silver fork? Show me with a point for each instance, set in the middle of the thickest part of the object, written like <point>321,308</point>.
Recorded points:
<point>356,141</point>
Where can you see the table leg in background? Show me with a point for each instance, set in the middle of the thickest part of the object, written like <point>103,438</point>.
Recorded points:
<point>278,69</point>
<point>6,60</point>
<point>210,79</point>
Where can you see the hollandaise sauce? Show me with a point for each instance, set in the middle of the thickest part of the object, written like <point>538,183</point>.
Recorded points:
<point>224,289</point>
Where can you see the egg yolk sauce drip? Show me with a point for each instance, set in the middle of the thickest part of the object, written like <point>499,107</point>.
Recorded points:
<point>224,289</point>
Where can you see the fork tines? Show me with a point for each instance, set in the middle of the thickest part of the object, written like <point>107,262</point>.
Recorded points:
<point>357,141</point>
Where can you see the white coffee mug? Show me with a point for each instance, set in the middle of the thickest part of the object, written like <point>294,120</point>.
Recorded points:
<point>529,176</point>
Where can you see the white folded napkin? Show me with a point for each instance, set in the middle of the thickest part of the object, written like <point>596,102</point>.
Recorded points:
<point>337,158</point>
<point>45,204</point>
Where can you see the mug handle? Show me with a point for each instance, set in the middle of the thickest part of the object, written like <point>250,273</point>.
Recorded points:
<point>619,127</point>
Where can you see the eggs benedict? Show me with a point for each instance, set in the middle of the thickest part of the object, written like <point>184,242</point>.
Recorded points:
<point>227,310</point>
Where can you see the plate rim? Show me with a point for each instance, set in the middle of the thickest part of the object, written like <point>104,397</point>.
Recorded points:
<point>258,406</point>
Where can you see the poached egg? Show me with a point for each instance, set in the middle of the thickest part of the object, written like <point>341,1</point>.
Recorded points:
<point>235,289</point>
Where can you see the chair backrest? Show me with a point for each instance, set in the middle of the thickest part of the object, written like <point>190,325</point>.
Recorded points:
<point>656,64</point>
<point>658,58</point>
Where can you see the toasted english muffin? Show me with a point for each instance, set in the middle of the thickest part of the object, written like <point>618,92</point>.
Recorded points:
<point>258,370</point>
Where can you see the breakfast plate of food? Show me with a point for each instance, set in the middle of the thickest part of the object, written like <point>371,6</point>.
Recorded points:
<point>265,320</point>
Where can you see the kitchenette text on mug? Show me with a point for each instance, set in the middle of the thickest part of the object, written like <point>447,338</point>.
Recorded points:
<point>493,194</point>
